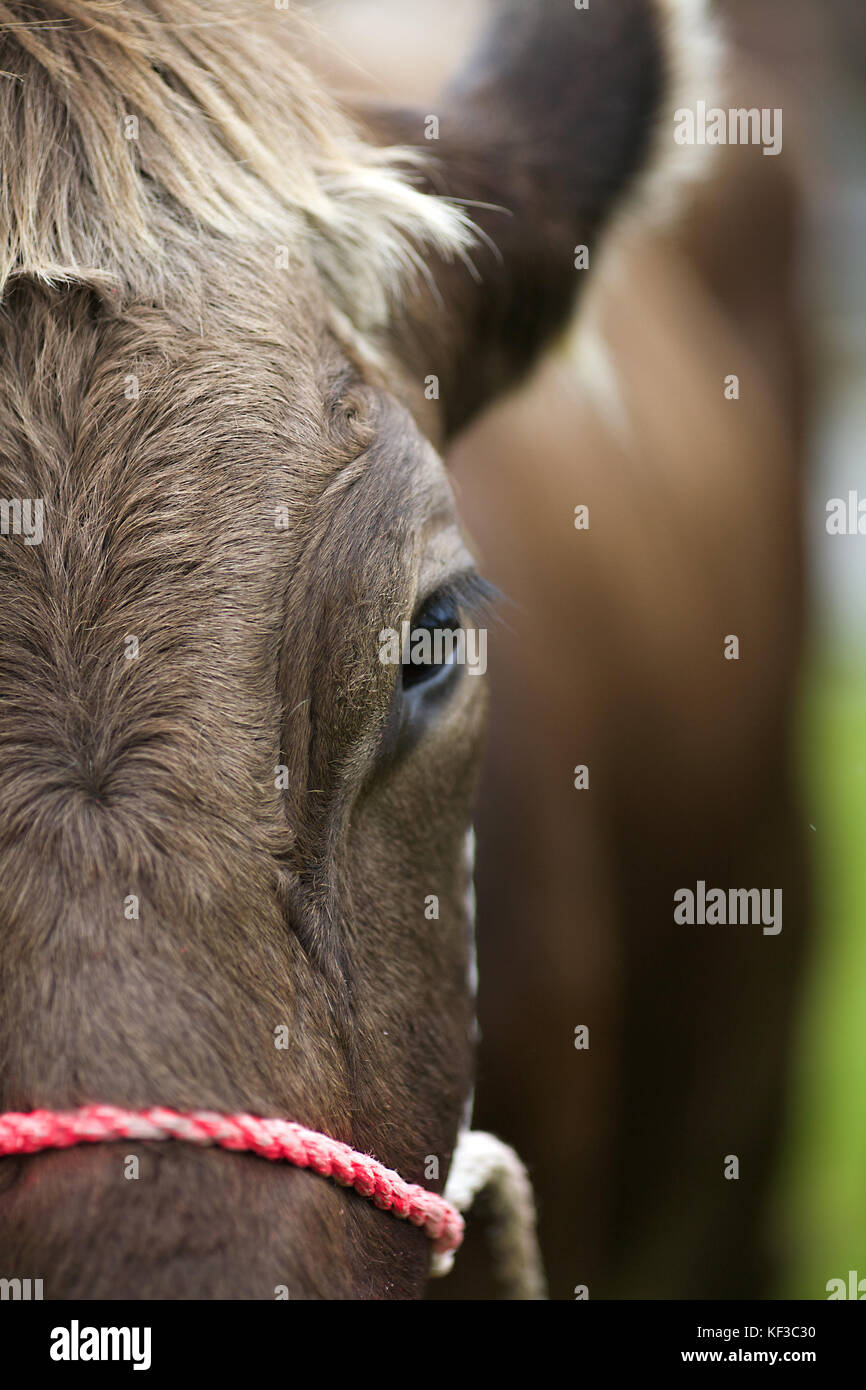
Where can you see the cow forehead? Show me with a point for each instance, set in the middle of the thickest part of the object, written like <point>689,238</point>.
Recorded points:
<point>213,445</point>
<point>202,508</point>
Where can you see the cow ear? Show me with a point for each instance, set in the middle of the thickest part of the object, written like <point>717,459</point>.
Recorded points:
<point>540,136</point>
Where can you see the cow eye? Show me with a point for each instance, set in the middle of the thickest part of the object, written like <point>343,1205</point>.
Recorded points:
<point>431,641</point>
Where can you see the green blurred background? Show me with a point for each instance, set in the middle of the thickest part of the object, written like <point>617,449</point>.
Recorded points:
<point>821,1219</point>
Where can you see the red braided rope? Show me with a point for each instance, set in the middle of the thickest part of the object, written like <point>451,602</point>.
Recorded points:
<point>274,1139</point>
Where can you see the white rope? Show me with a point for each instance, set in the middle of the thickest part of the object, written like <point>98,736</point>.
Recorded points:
<point>482,1163</point>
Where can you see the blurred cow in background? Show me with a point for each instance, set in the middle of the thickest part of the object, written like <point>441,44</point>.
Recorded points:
<point>611,657</point>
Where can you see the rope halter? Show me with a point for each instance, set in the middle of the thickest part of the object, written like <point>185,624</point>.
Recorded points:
<point>480,1161</point>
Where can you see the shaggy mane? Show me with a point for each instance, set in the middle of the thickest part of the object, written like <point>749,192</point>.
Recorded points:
<point>132,131</point>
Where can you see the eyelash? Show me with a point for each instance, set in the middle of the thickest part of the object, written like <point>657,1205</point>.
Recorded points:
<point>464,601</point>
<point>469,594</point>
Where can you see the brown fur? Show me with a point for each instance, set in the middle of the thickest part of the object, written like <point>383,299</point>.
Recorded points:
<point>156,776</point>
